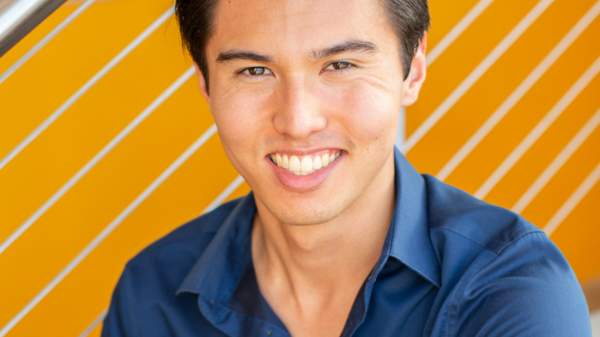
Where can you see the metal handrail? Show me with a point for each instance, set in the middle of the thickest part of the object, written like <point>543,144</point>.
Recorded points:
<point>19,17</point>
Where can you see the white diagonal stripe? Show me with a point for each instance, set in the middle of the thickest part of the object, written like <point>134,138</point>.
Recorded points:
<point>476,74</point>
<point>521,90</point>
<point>94,324</point>
<point>109,229</point>
<point>539,129</point>
<point>96,159</point>
<point>66,105</point>
<point>225,194</point>
<point>557,163</point>
<point>572,202</point>
<point>45,40</point>
<point>460,27</point>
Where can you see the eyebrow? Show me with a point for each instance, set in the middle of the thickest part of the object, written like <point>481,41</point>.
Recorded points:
<point>242,55</point>
<point>353,45</point>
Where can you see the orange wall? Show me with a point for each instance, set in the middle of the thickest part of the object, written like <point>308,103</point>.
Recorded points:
<point>44,83</point>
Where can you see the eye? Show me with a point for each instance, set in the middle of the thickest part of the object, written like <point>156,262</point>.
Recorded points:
<point>256,71</point>
<point>338,65</point>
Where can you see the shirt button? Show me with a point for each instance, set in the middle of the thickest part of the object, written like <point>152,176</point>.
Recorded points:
<point>269,332</point>
<point>212,301</point>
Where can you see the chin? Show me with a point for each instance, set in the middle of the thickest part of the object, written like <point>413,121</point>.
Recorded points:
<point>304,214</point>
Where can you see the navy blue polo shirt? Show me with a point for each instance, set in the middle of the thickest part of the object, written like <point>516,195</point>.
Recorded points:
<point>451,265</point>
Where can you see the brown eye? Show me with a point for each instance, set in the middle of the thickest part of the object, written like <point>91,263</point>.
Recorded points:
<point>257,71</point>
<point>340,65</point>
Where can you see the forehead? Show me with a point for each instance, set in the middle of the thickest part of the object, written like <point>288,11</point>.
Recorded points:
<point>296,26</point>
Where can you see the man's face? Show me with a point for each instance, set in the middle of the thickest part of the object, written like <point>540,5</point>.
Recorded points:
<point>295,84</point>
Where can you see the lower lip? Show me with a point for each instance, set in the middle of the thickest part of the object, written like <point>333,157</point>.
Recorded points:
<point>305,183</point>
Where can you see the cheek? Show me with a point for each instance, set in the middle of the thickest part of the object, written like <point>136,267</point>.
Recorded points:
<point>368,114</point>
<point>240,118</point>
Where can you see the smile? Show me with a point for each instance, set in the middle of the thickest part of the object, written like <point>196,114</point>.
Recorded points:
<point>305,165</point>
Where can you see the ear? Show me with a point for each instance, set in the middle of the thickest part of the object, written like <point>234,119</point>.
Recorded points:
<point>201,83</point>
<point>418,70</point>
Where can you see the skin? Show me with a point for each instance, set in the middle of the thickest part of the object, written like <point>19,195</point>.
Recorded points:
<point>312,248</point>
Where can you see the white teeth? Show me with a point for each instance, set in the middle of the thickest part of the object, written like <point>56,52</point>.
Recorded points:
<point>304,165</point>
<point>325,159</point>
<point>307,164</point>
<point>294,164</point>
<point>284,162</point>
<point>317,163</point>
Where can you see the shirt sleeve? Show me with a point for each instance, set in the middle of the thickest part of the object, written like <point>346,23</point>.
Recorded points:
<point>121,320</point>
<point>528,289</point>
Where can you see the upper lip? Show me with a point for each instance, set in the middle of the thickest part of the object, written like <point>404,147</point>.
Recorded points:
<point>304,151</point>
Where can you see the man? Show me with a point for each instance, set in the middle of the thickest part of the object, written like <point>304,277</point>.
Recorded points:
<point>340,236</point>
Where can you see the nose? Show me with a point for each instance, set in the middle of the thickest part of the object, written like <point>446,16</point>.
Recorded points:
<point>298,113</point>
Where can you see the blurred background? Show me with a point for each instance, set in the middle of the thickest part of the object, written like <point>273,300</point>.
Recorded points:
<point>106,143</point>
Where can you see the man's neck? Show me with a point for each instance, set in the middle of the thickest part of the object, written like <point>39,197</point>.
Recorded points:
<point>308,272</point>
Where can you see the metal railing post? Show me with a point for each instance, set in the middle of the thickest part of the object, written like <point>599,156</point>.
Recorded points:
<point>19,17</point>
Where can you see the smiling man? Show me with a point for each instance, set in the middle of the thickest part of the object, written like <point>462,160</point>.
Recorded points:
<point>340,236</point>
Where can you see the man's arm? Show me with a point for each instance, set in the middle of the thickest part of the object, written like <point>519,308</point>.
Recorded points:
<point>529,289</point>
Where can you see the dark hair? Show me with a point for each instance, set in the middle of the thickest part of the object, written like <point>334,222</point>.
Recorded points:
<point>409,18</point>
<point>196,24</point>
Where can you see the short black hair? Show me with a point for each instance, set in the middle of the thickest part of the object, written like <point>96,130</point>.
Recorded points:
<point>409,18</point>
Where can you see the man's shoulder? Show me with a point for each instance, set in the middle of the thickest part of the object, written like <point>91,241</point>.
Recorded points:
<point>456,212</point>
<point>150,280</point>
<point>185,244</point>
<point>502,266</point>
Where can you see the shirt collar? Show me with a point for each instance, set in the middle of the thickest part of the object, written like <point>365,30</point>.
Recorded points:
<point>409,232</point>
<point>219,271</point>
<point>220,265</point>
<point>215,276</point>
